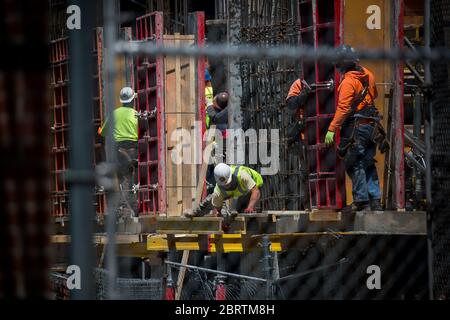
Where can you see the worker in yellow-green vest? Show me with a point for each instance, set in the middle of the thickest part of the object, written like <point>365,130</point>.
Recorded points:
<point>126,138</point>
<point>209,96</point>
<point>232,182</point>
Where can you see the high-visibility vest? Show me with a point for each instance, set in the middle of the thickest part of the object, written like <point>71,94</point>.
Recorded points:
<point>240,189</point>
<point>209,96</point>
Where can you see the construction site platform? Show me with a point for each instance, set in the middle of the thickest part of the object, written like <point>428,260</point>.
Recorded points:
<point>285,230</point>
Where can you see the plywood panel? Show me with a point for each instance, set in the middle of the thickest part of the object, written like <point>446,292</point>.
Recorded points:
<point>359,35</point>
<point>181,114</point>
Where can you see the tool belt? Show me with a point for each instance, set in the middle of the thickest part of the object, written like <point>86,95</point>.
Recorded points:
<point>368,115</point>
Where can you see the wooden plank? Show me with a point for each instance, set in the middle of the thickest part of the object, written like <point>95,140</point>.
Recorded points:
<point>201,225</point>
<point>187,118</point>
<point>181,113</point>
<point>204,169</point>
<point>101,239</point>
<point>392,222</point>
<point>181,274</point>
<point>177,36</point>
<point>178,101</point>
<point>170,107</point>
<point>196,143</point>
<point>325,215</point>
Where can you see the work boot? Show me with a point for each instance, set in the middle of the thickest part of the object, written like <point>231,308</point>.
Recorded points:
<point>375,205</point>
<point>360,206</point>
<point>192,213</point>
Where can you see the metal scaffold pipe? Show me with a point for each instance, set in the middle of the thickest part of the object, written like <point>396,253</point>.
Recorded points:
<point>307,53</point>
<point>109,169</point>
<point>80,135</point>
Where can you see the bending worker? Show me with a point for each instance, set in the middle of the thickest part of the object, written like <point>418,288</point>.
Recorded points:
<point>232,182</point>
<point>358,121</point>
<point>209,95</point>
<point>218,112</point>
<point>295,102</point>
<point>126,138</point>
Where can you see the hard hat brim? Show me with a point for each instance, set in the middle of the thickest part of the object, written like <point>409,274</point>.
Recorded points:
<point>226,182</point>
<point>127,100</point>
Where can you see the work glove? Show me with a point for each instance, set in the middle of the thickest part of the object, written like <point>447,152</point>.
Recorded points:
<point>329,138</point>
<point>249,210</point>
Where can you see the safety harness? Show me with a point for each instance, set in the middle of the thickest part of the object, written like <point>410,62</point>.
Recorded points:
<point>369,111</point>
<point>239,187</point>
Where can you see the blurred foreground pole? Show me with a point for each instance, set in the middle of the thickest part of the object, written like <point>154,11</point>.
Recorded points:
<point>110,31</point>
<point>24,151</point>
<point>81,154</point>
<point>428,125</point>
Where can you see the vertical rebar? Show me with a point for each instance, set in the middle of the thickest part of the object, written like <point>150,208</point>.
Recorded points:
<point>428,139</point>
<point>81,154</point>
<point>110,20</point>
<point>417,125</point>
<point>234,76</point>
<point>267,266</point>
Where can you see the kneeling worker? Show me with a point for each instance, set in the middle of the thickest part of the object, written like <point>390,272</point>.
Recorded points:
<point>232,182</point>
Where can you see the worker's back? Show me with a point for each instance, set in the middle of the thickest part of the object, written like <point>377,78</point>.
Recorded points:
<point>125,125</point>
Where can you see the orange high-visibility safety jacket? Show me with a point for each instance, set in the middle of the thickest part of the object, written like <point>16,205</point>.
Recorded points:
<point>349,88</point>
<point>295,89</point>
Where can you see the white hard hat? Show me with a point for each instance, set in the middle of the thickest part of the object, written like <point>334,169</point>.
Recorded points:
<point>127,95</point>
<point>222,174</point>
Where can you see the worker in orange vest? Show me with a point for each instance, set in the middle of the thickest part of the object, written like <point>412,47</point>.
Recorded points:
<point>295,102</point>
<point>359,122</point>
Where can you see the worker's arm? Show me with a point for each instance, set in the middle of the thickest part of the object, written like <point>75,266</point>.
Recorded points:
<point>250,184</point>
<point>297,97</point>
<point>217,115</point>
<point>102,130</point>
<point>254,197</point>
<point>343,109</point>
<point>295,102</point>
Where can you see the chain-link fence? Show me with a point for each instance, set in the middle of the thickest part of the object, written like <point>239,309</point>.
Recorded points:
<point>128,288</point>
<point>440,115</point>
<point>303,239</point>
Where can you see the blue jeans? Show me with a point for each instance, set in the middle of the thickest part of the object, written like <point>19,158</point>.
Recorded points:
<point>360,165</point>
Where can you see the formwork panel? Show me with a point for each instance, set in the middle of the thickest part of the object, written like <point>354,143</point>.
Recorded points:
<point>319,26</point>
<point>150,106</point>
<point>59,122</point>
<point>168,99</point>
<point>181,114</point>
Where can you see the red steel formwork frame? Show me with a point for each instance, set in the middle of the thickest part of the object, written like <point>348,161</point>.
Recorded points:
<point>59,84</point>
<point>321,24</point>
<point>98,113</point>
<point>201,66</point>
<point>59,125</point>
<point>150,107</point>
<point>149,84</point>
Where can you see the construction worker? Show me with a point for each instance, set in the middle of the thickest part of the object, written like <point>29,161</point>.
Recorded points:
<point>297,96</point>
<point>357,119</point>
<point>209,96</point>
<point>218,112</point>
<point>295,102</point>
<point>126,138</point>
<point>237,182</point>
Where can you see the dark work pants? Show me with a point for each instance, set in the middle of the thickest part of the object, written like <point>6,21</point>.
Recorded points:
<point>360,165</point>
<point>126,156</point>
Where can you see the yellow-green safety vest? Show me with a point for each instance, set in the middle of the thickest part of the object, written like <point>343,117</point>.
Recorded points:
<point>240,189</point>
<point>209,95</point>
